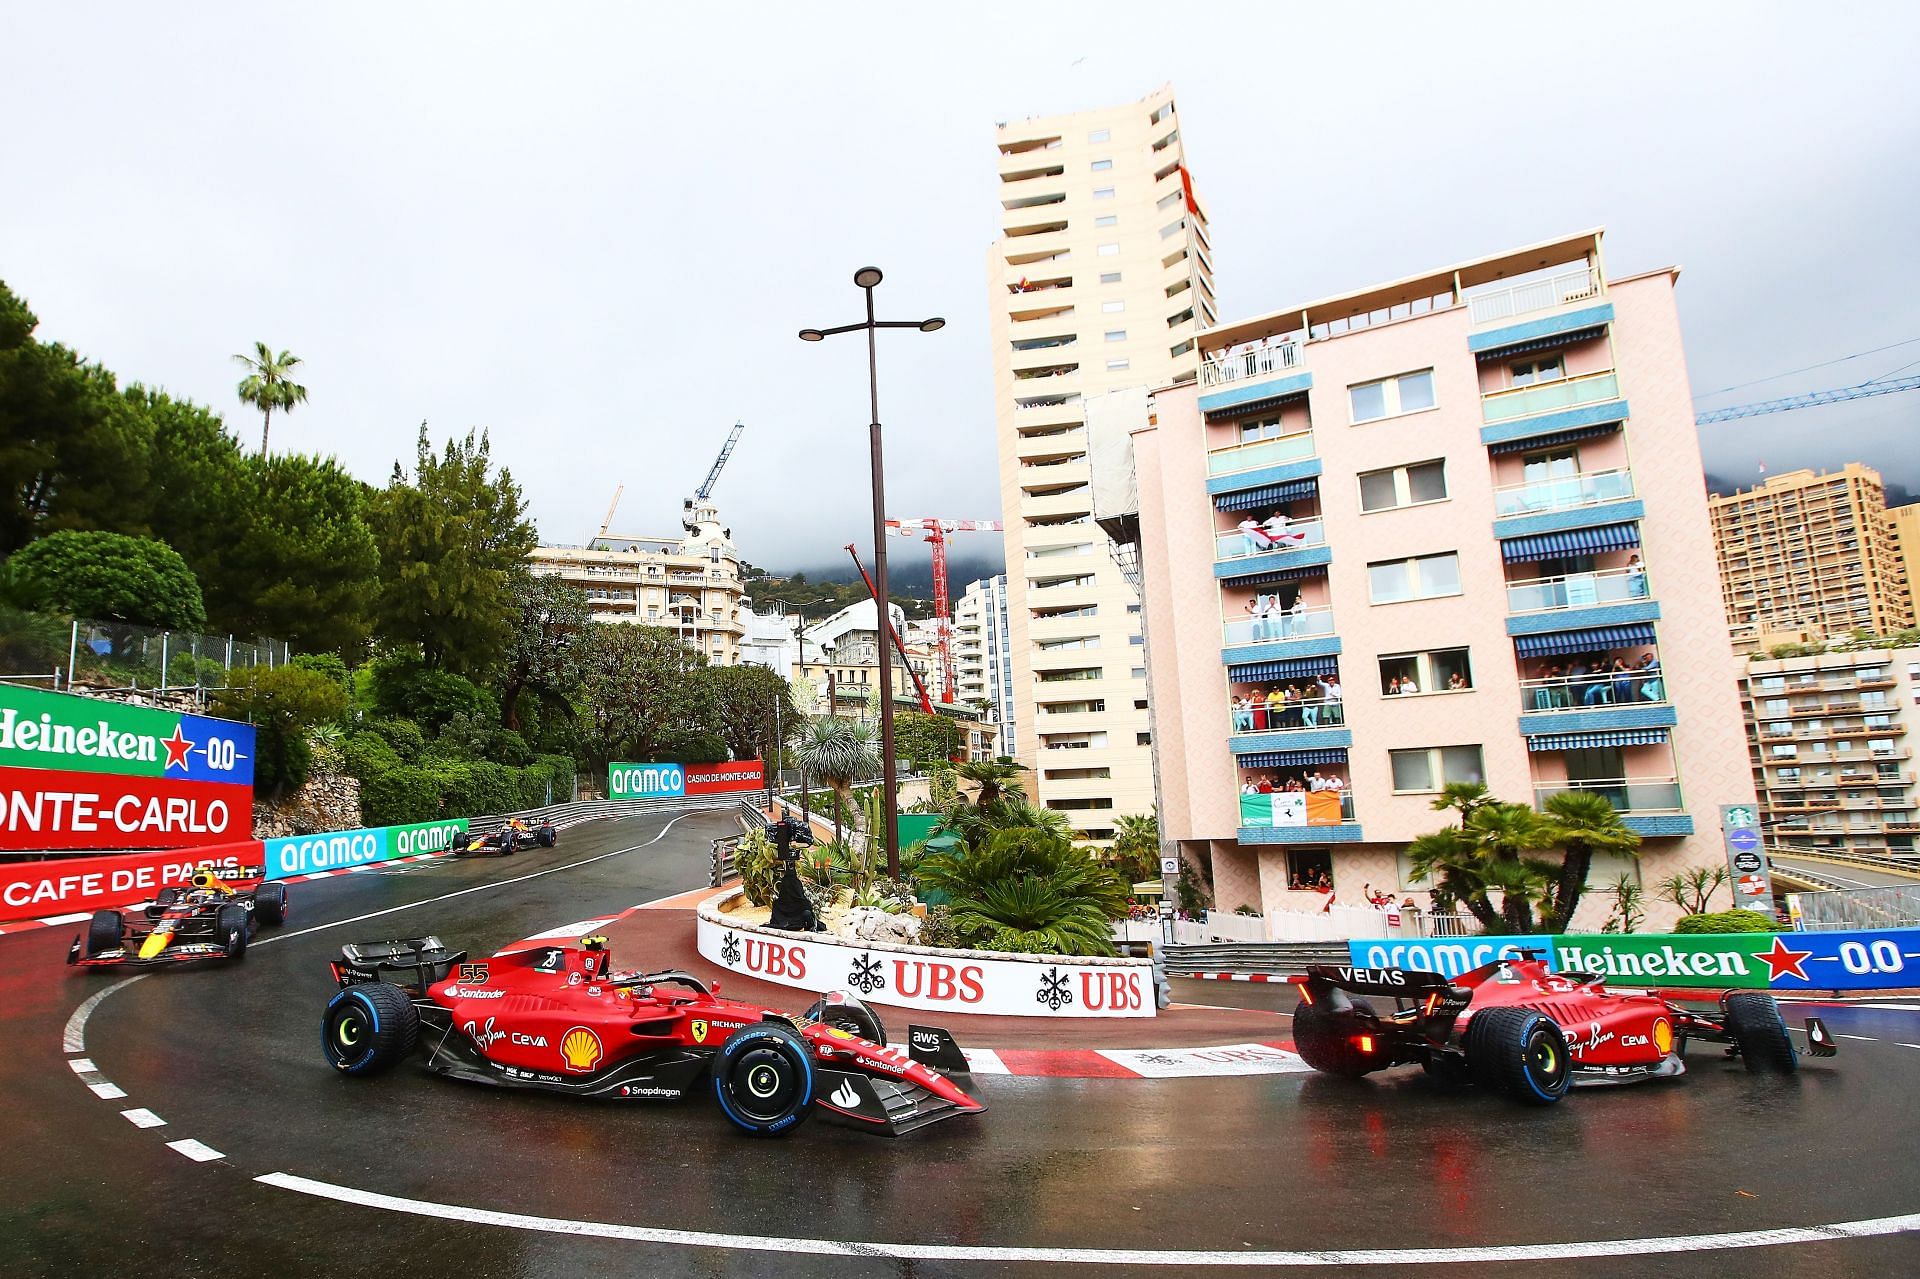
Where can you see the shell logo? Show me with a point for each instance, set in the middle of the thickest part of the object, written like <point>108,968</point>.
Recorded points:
<point>581,1049</point>
<point>1662,1036</point>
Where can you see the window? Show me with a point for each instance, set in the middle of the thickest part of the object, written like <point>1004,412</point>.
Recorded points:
<point>1548,368</point>
<point>1108,250</point>
<point>1442,670</point>
<point>1117,366</point>
<point>1390,397</point>
<point>1101,166</point>
<point>1428,770</point>
<point>1078,774</point>
<point>1309,866</point>
<point>1108,219</point>
<point>1424,577</point>
<point>1116,335</point>
<point>1103,193</point>
<point>1143,739</point>
<point>1180,348</point>
<point>1788,751</point>
<point>1396,486</point>
<point>1109,277</point>
<point>1099,135</point>
<point>1110,307</point>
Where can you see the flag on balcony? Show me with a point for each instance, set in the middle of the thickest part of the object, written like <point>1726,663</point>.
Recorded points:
<point>1186,189</point>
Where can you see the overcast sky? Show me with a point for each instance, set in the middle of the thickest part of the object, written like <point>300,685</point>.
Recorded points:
<point>595,230</point>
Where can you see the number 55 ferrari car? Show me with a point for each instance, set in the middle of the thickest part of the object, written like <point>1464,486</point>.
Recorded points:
<point>559,1018</point>
<point>208,919</point>
<point>1514,1027</point>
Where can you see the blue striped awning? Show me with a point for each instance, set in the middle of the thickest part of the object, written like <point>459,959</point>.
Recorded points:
<point>1292,759</point>
<point>1272,575</point>
<point>1543,344</point>
<point>1533,443</point>
<point>1593,639</point>
<point>1267,495</point>
<point>1292,668</point>
<point>1587,741</point>
<point>1575,541</point>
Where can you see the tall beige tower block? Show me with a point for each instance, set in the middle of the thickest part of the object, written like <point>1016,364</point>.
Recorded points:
<point>1101,278</point>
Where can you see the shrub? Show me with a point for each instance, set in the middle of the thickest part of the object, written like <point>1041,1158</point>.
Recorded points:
<point>401,794</point>
<point>1727,921</point>
<point>757,863</point>
<point>402,736</point>
<point>475,788</point>
<point>366,754</point>
<point>937,928</point>
<point>327,664</point>
<point>282,705</point>
<point>403,688</point>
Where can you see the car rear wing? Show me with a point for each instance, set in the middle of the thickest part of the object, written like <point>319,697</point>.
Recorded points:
<point>415,961</point>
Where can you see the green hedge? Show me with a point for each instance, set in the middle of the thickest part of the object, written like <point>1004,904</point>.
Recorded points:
<point>392,793</point>
<point>1727,921</point>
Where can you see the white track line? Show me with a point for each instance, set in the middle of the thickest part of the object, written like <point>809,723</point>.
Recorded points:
<point>106,1091</point>
<point>477,888</point>
<point>143,1118</point>
<point>74,1038</point>
<point>1100,1256</point>
<point>197,1151</point>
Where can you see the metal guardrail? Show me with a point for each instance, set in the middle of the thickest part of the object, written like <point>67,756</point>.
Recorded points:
<point>1890,865</point>
<point>1855,908</point>
<point>720,859</point>
<point>578,812</point>
<point>1279,959</point>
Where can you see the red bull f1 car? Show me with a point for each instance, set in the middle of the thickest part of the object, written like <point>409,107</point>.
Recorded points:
<point>557,1017</point>
<point>210,918</point>
<point>517,834</point>
<point>1514,1027</point>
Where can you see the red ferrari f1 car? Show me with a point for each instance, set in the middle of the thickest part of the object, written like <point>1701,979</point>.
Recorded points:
<point>211,918</point>
<point>559,1018</point>
<point>1517,1028</point>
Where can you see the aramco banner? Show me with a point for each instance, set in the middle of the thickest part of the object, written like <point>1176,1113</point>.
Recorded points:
<point>81,772</point>
<point>670,781</point>
<point>1883,959</point>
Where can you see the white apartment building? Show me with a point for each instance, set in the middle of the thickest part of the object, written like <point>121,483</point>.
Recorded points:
<point>690,583</point>
<point>983,661</point>
<point>1101,279</point>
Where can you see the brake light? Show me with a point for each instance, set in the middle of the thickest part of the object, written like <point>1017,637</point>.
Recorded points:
<point>335,966</point>
<point>1365,1043</point>
<point>1306,993</point>
<point>1433,1000</point>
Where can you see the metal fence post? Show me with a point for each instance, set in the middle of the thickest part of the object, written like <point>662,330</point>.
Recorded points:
<point>166,638</point>
<point>73,651</point>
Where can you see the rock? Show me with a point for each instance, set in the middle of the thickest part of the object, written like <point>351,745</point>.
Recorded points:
<point>870,923</point>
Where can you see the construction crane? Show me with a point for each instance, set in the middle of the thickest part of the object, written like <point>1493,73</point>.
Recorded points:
<point>935,532</point>
<point>612,506</point>
<point>881,612</point>
<point>688,517</point>
<point>1810,400</point>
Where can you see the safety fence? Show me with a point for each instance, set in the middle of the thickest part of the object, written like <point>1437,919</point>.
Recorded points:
<point>1857,908</point>
<point>62,653</point>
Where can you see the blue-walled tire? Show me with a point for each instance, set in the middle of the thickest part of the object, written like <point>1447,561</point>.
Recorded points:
<point>1522,1053</point>
<point>369,1028</point>
<point>763,1079</point>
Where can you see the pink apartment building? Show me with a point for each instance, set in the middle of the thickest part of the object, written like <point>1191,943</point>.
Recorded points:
<point>1449,528</point>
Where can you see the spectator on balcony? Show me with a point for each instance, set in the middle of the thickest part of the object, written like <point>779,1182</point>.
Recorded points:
<point>1243,714</point>
<point>1316,781</point>
<point>1636,578</point>
<point>1248,788</point>
<point>1336,783</point>
<point>1295,786</point>
<point>1652,688</point>
<point>1409,686</point>
<point>1622,680</point>
<point>1593,686</point>
<point>1551,693</point>
<point>1296,621</point>
<point>1281,533</point>
<point>1256,618</point>
<point>1457,682</point>
<point>1265,786</point>
<point>1255,535</point>
<point>1276,706</point>
<point>1311,705</point>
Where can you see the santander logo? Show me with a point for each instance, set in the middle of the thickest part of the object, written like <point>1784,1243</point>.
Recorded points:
<point>845,1097</point>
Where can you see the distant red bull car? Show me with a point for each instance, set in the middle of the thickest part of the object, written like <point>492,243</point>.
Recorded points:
<point>1517,1028</point>
<point>559,1018</point>
<point>211,918</point>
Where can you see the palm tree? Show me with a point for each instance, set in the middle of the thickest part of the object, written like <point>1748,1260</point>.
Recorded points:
<point>1485,854</point>
<point>996,777</point>
<point>1450,858</point>
<point>269,385</point>
<point>838,752</point>
<point>1583,824</point>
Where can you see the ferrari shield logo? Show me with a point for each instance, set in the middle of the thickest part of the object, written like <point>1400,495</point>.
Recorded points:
<point>699,1029</point>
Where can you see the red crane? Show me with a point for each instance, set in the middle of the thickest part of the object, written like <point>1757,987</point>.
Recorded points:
<point>936,536</point>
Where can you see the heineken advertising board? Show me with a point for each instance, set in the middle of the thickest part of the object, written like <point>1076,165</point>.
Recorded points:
<point>1885,959</point>
<point>80,772</point>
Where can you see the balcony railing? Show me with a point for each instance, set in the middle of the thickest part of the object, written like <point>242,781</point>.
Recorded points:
<point>1234,544</point>
<point>1254,454</point>
<point>1300,624</point>
<point>1562,493</point>
<point>1262,716</point>
<point>1549,397</point>
<point>1626,794</point>
<point>1589,692</point>
<point>1576,590</point>
<point>1535,295</point>
<point>1244,366</point>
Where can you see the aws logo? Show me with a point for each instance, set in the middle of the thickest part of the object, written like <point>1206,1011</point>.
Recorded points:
<point>581,1050</point>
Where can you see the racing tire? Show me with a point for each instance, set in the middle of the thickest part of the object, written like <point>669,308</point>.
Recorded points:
<point>270,903</point>
<point>161,900</point>
<point>1761,1034</point>
<point>1523,1053</point>
<point>548,837</point>
<point>369,1027</point>
<point>1324,1040</point>
<point>230,927</point>
<point>103,931</point>
<point>763,1079</point>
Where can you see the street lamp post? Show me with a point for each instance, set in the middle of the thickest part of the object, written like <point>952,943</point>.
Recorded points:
<point>867,278</point>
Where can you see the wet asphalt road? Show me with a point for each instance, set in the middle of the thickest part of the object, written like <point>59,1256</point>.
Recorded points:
<point>231,1057</point>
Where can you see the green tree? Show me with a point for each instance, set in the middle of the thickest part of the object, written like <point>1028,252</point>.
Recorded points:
<point>1693,888</point>
<point>546,648</point>
<point>838,752</point>
<point>283,704</point>
<point>752,708</point>
<point>452,542</point>
<point>924,740</point>
<point>1135,851</point>
<point>73,454</point>
<point>201,501</point>
<point>269,385</point>
<point>108,577</point>
<point>1584,825</point>
<point>993,776</point>
<point>1489,852</point>
<point>639,700</point>
<point>302,565</point>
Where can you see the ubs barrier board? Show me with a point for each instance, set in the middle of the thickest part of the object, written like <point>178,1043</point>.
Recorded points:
<point>1881,959</point>
<point>81,772</point>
